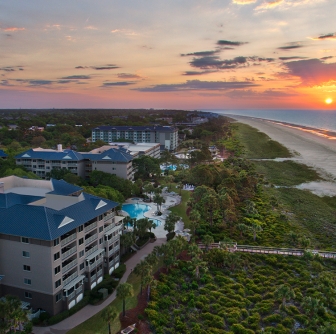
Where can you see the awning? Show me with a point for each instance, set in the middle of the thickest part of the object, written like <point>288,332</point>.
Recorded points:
<point>74,282</point>
<point>117,219</point>
<point>94,254</point>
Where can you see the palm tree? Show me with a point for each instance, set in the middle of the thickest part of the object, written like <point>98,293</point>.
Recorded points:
<point>255,228</point>
<point>127,240</point>
<point>208,240</point>
<point>142,269</point>
<point>195,218</point>
<point>148,189</point>
<point>109,314</point>
<point>124,290</point>
<point>170,222</point>
<point>159,200</point>
<point>284,292</point>
<point>242,228</point>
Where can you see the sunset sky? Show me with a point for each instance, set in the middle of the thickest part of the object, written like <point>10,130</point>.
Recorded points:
<point>191,54</point>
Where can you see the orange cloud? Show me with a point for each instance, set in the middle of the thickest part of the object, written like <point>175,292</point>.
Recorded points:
<point>14,29</point>
<point>269,4</point>
<point>244,2</point>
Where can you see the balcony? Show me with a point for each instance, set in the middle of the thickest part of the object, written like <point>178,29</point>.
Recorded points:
<point>90,239</point>
<point>94,264</point>
<point>113,239</point>
<point>72,295</point>
<point>111,263</point>
<point>109,216</point>
<point>93,277</point>
<point>91,250</point>
<point>69,265</point>
<point>69,252</point>
<point>90,227</point>
<point>70,278</point>
<point>68,239</point>
<point>110,227</point>
<point>100,272</point>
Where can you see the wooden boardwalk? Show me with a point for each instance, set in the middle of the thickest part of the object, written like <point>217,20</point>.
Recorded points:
<point>268,250</point>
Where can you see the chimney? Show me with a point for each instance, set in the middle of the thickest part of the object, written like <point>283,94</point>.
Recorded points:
<point>59,148</point>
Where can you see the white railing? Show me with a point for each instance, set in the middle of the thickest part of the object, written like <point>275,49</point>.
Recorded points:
<point>70,278</point>
<point>92,250</point>
<point>100,272</point>
<point>95,264</point>
<point>68,239</point>
<point>72,295</point>
<point>93,237</point>
<point>111,263</point>
<point>69,252</point>
<point>109,216</point>
<point>79,290</point>
<point>90,227</point>
<point>113,239</point>
<point>69,265</point>
<point>109,227</point>
<point>93,278</point>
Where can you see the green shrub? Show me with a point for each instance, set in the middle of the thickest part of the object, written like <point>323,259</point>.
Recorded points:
<point>272,319</point>
<point>120,271</point>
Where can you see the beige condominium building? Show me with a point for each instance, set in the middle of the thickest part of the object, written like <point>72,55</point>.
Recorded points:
<point>55,241</point>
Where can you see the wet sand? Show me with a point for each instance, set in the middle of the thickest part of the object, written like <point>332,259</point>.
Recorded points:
<point>312,147</point>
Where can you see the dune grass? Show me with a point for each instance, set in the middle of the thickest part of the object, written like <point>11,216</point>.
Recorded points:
<point>258,145</point>
<point>286,173</point>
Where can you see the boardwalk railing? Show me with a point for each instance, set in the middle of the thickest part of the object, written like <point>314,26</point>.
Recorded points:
<point>232,247</point>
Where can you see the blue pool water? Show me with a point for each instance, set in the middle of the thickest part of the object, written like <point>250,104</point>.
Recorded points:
<point>137,211</point>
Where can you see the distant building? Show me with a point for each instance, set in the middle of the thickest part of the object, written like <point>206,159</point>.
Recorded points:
<point>36,128</point>
<point>3,155</point>
<point>12,126</point>
<point>55,242</point>
<point>42,161</point>
<point>166,136</point>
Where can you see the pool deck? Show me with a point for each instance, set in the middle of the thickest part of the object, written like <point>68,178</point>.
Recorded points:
<point>172,199</point>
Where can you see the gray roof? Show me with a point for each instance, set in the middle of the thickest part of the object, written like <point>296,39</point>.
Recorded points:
<point>136,128</point>
<point>19,218</point>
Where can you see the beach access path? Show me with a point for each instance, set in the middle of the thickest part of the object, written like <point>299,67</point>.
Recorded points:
<point>90,310</point>
<point>308,148</point>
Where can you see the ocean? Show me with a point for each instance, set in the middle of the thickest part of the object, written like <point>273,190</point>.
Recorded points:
<point>318,119</point>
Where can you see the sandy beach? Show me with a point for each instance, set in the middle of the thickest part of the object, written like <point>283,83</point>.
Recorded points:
<point>308,148</point>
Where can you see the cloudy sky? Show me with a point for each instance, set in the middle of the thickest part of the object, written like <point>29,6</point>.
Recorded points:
<point>224,54</point>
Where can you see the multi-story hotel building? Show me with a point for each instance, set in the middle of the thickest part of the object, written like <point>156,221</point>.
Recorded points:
<point>55,241</point>
<point>166,136</point>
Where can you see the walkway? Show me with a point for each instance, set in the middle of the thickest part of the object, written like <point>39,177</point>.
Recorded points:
<point>90,310</point>
<point>271,250</point>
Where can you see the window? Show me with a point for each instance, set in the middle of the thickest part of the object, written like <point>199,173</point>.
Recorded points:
<point>57,270</point>
<point>80,228</point>
<point>82,265</point>
<point>56,256</point>
<point>25,240</point>
<point>58,297</point>
<point>81,253</point>
<point>28,295</point>
<point>56,242</point>
<point>81,241</point>
<point>57,283</point>
<point>101,228</point>
<point>25,254</point>
<point>101,241</point>
<point>100,217</point>
<point>27,281</point>
<point>26,268</point>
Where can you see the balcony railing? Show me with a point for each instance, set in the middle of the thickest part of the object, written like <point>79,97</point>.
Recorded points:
<point>79,290</point>
<point>70,278</point>
<point>91,250</point>
<point>69,265</point>
<point>93,278</point>
<point>109,216</point>
<point>69,252</point>
<point>72,295</point>
<point>113,239</point>
<point>68,239</point>
<point>95,264</point>
<point>110,227</point>
<point>111,263</point>
<point>90,239</point>
<point>90,227</point>
<point>100,272</point>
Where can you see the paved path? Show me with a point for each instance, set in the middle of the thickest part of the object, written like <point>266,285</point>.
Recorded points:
<point>90,310</point>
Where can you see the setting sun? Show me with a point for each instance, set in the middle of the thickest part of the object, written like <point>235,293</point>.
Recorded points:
<point>328,100</point>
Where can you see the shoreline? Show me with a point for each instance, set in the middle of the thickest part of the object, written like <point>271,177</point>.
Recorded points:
<point>309,148</point>
<point>317,131</point>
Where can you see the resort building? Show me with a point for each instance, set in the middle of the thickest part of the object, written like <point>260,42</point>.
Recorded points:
<point>166,136</point>
<point>117,161</point>
<point>55,241</point>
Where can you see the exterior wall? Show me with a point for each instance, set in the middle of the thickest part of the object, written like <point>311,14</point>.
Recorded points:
<point>73,262</point>
<point>118,168</point>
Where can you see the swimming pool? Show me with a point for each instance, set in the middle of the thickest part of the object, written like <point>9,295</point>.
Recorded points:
<point>137,211</point>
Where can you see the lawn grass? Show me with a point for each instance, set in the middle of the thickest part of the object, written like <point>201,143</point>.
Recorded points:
<point>258,145</point>
<point>96,324</point>
<point>181,209</point>
<point>286,173</point>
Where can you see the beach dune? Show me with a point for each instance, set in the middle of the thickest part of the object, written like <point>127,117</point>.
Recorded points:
<point>310,148</point>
